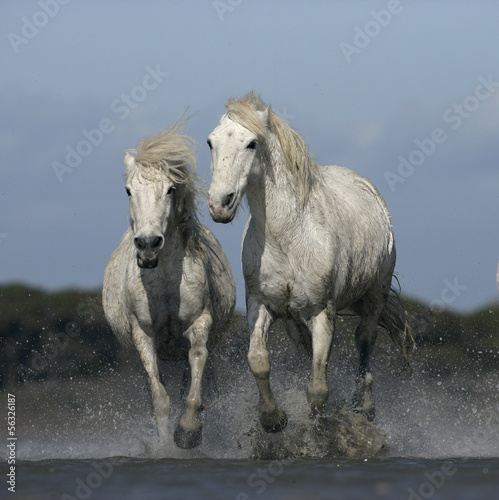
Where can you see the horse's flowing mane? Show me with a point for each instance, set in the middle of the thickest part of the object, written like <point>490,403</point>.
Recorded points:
<point>171,154</point>
<point>302,166</point>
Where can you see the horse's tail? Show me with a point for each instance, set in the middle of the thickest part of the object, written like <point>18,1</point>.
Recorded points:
<point>394,319</point>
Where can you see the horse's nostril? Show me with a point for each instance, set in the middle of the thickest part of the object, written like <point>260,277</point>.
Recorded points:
<point>148,242</point>
<point>140,243</point>
<point>229,198</point>
<point>156,242</point>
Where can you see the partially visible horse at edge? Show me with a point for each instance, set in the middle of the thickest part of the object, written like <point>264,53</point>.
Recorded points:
<point>318,240</point>
<point>168,285</point>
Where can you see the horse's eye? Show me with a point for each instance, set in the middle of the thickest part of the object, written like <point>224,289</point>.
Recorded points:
<point>209,144</point>
<point>170,189</point>
<point>251,145</point>
<point>128,192</point>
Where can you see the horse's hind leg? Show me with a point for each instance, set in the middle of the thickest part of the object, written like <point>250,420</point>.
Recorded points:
<point>189,429</point>
<point>365,338</point>
<point>272,418</point>
<point>160,400</point>
<point>322,329</point>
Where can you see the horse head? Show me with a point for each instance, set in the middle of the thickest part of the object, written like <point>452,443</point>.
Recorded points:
<point>237,150</point>
<point>151,208</point>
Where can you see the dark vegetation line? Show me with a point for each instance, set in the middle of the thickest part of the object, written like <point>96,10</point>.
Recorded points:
<point>64,334</point>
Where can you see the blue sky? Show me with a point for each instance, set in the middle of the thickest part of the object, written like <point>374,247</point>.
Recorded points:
<point>404,92</point>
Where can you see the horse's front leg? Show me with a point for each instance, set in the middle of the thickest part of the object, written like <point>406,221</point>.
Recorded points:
<point>189,430</point>
<point>322,329</point>
<point>146,347</point>
<point>272,418</point>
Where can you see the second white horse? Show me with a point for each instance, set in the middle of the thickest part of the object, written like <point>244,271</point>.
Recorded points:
<point>168,285</point>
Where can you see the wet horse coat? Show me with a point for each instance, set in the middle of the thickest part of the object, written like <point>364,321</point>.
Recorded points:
<point>168,285</point>
<point>318,240</point>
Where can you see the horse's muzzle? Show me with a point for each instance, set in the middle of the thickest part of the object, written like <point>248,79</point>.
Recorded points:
<point>147,262</point>
<point>224,210</point>
<point>222,216</point>
<point>148,248</point>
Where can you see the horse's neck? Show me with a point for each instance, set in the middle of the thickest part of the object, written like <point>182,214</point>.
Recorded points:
<point>274,199</point>
<point>182,238</point>
<point>174,247</point>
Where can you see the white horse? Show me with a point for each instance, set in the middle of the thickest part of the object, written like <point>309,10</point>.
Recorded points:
<point>168,285</point>
<point>318,240</point>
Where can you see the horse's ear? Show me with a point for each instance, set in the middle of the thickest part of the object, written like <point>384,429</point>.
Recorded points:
<point>128,161</point>
<point>265,115</point>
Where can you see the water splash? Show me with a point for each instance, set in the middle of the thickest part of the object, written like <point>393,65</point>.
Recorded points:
<point>425,415</point>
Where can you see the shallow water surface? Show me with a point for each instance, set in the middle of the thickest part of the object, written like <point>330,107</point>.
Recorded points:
<point>96,438</point>
<point>135,479</point>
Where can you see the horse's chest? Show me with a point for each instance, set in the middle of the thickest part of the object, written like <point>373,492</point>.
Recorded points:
<point>165,302</point>
<point>288,278</point>
<point>155,301</point>
<point>289,292</point>
<point>157,312</point>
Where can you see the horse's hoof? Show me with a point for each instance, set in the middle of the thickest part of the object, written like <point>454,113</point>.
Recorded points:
<point>369,414</point>
<point>274,422</point>
<point>187,439</point>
